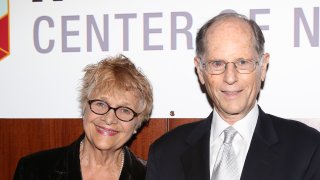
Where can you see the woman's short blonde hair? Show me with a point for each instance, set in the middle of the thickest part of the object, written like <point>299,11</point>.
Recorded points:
<point>116,74</point>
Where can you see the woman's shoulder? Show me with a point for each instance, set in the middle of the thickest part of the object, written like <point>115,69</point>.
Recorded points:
<point>133,160</point>
<point>43,158</point>
<point>51,163</point>
<point>134,167</point>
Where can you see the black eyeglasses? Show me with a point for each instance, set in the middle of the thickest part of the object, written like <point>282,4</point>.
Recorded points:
<point>243,66</point>
<point>101,107</point>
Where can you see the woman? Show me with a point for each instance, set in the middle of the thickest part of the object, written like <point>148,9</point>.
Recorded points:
<point>115,100</point>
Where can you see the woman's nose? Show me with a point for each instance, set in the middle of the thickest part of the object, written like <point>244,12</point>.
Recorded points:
<point>110,117</point>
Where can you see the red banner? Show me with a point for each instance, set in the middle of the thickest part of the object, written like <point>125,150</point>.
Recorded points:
<point>4,35</point>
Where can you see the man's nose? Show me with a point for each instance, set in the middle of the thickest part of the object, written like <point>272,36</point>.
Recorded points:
<point>230,73</point>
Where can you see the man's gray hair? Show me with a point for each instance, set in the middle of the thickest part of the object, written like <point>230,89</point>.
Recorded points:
<point>258,35</point>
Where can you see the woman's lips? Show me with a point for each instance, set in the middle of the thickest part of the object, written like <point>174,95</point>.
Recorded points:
<point>106,131</point>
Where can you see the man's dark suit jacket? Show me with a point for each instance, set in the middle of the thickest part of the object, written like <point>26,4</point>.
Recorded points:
<point>64,163</point>
<point>280,150</point>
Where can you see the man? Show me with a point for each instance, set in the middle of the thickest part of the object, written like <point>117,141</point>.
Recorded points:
<point>231,64</point>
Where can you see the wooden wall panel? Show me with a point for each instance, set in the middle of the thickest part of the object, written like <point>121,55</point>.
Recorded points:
<point>175,122</point>
<point>19,137</point>
<point>149,133</point>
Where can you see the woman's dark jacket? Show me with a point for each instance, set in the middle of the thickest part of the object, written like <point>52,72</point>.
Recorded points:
<point>64,163</point>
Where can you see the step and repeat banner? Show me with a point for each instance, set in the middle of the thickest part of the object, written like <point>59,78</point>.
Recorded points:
<point>45,44</point>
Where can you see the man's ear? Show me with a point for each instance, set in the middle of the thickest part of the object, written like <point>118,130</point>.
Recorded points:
<point>264,66</point>
<point>197,64</point>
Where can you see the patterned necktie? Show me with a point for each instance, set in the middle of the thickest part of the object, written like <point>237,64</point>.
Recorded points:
<point>226,165</point>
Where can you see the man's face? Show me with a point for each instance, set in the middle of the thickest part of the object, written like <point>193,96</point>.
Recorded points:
<point>233,94</point>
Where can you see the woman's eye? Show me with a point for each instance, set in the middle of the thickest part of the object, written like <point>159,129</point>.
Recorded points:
<point>125,110</point>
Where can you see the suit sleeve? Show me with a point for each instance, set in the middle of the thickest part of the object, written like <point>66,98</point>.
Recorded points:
<point>152,170</point>
<point>18,175</point>
<point>313,172</point>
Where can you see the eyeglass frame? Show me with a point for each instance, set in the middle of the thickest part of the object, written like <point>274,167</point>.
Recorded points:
<point>254,62</point>
<point>135,114</point>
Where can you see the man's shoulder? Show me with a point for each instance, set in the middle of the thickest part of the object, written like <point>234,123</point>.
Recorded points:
<point>179,134</point>
<point>295,129</point>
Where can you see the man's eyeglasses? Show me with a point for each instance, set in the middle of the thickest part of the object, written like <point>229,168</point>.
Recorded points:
<point>215,67</point>
<point>101,107</point>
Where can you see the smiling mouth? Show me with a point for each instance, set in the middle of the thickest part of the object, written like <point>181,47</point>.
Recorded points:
<point>106,131</point>
<point>231,93</point>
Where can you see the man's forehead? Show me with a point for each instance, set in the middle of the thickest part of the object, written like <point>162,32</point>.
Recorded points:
<point>230,23</point>
<point>232,30</point>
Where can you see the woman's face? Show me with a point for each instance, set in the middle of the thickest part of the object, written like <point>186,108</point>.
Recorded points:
<point>107,132</point>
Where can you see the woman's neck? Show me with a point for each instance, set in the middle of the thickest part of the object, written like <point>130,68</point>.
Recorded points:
<point>97,163</point>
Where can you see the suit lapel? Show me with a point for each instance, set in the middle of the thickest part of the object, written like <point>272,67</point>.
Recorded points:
<point>195,160</point>
<point>260,156</point>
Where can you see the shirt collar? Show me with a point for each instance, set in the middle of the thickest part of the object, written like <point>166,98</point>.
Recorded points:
<point>244,126</point>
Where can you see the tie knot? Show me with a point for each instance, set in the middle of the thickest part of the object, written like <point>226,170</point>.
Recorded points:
<point>229,134</point>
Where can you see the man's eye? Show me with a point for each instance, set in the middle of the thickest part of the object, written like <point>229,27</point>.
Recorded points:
<point>243,62</point>
<point>217,63</point>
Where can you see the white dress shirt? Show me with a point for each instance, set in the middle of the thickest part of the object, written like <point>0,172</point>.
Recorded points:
<point>245,128</point>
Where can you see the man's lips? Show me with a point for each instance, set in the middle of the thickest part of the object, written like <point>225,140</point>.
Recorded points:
<point>106,131</point>
<point>232,93</point>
